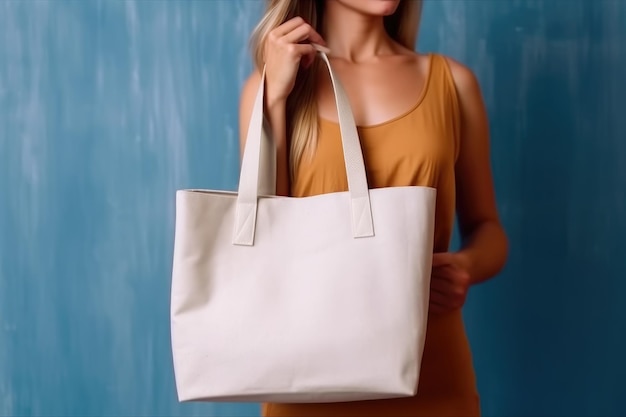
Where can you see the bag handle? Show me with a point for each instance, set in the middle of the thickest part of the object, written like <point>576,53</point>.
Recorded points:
<point>247,198</point>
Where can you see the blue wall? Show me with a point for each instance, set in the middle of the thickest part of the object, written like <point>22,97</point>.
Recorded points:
<point>549,334</point>
<point>107,107</point>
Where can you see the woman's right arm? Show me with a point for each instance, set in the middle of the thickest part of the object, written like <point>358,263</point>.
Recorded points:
<point>284,52</point>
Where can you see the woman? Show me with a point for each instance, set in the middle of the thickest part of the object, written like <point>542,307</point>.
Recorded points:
<point>422,122</point>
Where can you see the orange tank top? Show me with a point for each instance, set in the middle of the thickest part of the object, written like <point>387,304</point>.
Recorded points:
<point>417,148</point>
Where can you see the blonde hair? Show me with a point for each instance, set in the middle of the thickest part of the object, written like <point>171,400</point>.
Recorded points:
<point>302,125</point>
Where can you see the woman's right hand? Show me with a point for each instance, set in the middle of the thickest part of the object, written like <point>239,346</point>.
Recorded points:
<point>284,52</point>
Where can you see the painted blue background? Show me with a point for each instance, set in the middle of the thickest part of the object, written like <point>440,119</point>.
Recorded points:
<point>107,107</point>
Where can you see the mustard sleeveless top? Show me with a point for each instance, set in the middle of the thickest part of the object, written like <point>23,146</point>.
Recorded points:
<point>417,148</point>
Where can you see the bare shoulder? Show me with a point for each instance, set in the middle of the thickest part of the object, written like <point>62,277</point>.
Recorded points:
<point>467,85</point>
<point>250,88</point>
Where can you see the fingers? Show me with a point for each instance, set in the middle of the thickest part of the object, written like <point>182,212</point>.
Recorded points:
<point>444,264</point>
<point>286,49</point>
<point>288,26</point>
<point>443,258</point>
<point>301,50</point>
<point>442,285</point>
<point>302,33</point>
<point>449,283</point>
<point>447,294</point>
<point>296,30</point>
<point>454,274</point>
<point>448,288</point>
<point>440,302</point>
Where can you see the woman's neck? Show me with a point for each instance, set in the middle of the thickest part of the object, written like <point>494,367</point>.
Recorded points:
<point>353,36</point>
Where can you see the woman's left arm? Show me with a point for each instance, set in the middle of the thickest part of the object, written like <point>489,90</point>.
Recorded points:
<point>484,246</point>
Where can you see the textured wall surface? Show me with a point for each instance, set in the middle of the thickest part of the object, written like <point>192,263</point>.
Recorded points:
<point>547,334</point>
<point>107,107</point>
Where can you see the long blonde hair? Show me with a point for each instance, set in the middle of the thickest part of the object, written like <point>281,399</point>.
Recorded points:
<point>302,125</point>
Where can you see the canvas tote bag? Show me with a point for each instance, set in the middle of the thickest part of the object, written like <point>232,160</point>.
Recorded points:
<point>316,299</point>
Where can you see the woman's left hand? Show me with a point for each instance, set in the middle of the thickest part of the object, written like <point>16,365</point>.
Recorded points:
<point>450,281</point>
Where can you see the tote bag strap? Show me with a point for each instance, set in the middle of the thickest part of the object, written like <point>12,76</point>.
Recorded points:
<point>248,195</point>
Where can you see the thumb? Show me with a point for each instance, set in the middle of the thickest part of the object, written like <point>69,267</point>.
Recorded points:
<point>442,258</point>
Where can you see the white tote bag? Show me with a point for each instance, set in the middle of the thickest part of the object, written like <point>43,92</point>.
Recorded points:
<point>316,299</point>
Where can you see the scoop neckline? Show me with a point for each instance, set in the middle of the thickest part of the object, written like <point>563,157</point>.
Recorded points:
<point>414,107</point>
